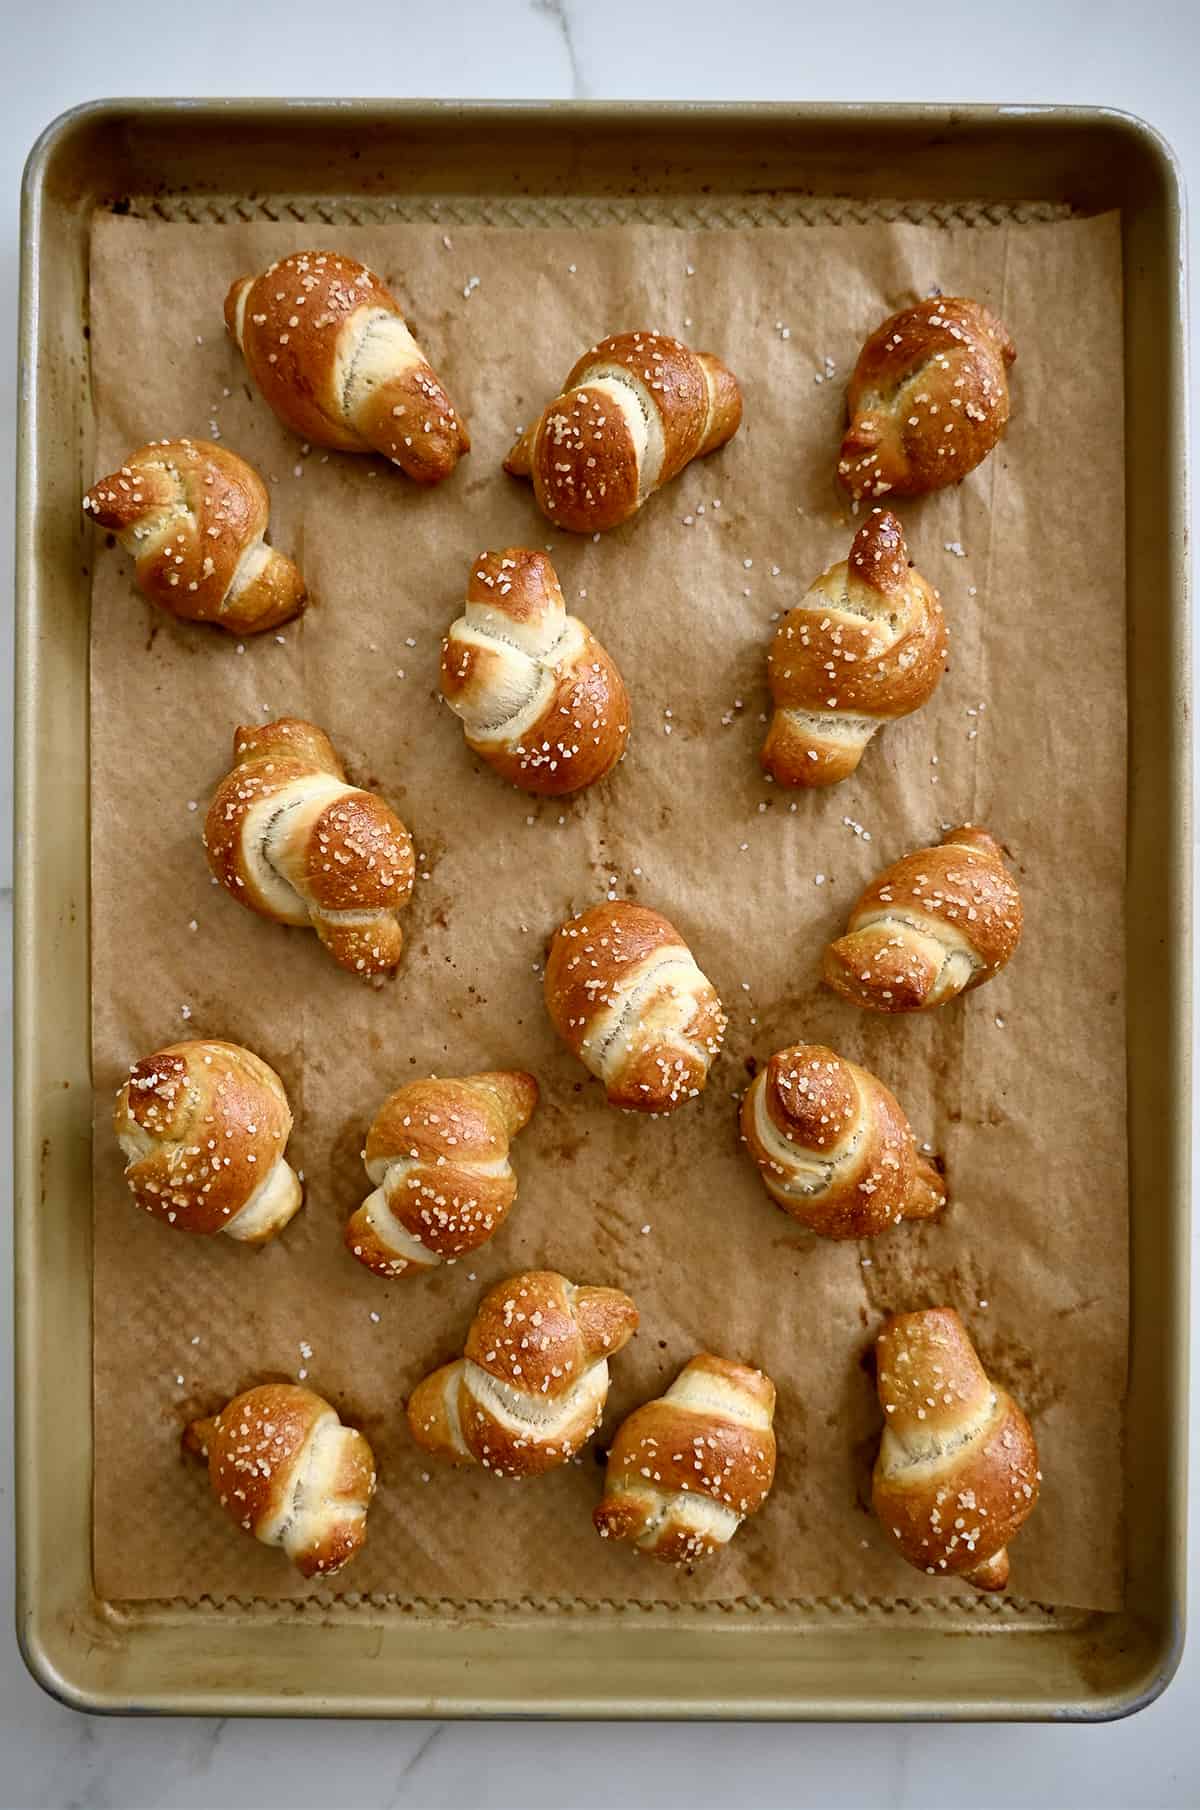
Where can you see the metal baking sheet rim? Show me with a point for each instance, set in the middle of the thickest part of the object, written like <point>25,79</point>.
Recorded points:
<point>882,1663</point>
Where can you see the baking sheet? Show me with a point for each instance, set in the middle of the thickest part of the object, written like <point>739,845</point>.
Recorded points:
<point>1033,1247</point>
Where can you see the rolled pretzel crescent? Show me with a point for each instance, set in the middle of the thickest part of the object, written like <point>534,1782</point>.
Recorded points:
<point>203,1126</point>
<point>865,646</point>
<point>957,1474</point>
<point>539,698</point>
<point>194,516</point>
<point>933,925</point>
<point>285,1469</point>
<point>686,1470</point>
<point>833,1146</point>
<point>292,840</point>
<point>928,398</point>
<point>633,412</point>
<point>627,996</point>
<point>438,1153</point>
<point>530,1387</point>
<point>328,347</point>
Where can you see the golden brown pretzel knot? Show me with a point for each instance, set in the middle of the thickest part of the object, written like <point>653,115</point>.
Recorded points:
<point>531,1385</point>
<point>293,841</point>
<point>329,349</point>
<point>957,1473</point>
<point>203,1126</point>
<point>438,1155</point>
<point>627,996</point>
<point>833,1147</point>
<point>686,1470</point>
<point>866,645</point>
<point>633,412</point>
<point>538,696</point>
<point>193,516</point>
<point>928,399</point>
<point>285,1469</point>
<point>930,927</point>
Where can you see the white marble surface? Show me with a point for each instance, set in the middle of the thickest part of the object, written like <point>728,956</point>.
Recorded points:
<point>60,52</point>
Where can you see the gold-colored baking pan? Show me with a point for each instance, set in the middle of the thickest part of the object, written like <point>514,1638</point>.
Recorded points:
<point>601,163</point>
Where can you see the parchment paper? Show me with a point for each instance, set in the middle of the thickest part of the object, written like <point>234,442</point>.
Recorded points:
<point>1019,1088</point>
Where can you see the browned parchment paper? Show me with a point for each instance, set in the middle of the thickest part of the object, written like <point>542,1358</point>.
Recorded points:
<point>1020,1087</point>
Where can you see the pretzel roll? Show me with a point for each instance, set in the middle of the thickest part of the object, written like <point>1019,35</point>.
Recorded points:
<point>633,412</point>
<point>957,1474</point>
<point>928,399</point>
<point>194,516</point>
<point>438,1154</point>
<point>530,1388</point>
<point>203,1126</point>
<point>865,646</point>
<point>833,1147</point>
<point>626,996</point>
<point>539,698</point>
<point>932,926</point>
<point>686,1470</point>
<point>285,1469</point>
<point>329,349</point>
<point>292,840</point>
